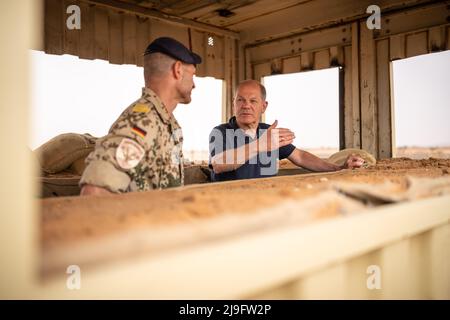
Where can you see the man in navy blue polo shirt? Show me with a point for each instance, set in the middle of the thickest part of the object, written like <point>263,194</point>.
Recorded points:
<point>245,148</point>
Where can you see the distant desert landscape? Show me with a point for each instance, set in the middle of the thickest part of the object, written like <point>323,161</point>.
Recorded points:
<point>422,153</point>
<point>417,153</point>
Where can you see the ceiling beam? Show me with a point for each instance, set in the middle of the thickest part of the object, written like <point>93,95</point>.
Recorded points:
<point>131,8</point>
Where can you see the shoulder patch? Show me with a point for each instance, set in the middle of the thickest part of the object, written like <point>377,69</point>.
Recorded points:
<point>129,153</point>
<point>142,108</point>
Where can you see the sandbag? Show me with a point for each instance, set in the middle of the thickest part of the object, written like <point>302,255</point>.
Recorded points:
<point>63,150</point>
<point>340,157</point>
<point>78,166</point>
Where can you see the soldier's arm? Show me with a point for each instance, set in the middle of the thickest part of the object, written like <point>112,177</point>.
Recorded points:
<point>111,167</point>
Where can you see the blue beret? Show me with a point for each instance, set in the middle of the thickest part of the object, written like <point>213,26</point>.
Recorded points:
<point>174,49</point>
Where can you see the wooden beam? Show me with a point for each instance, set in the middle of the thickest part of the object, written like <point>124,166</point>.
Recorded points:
<point>318,15</point>
<point>228,79</point>
<point>135,9</point>
<point>348,94</point>
<point>384,99</point>
<point>356,102</point>
<point>369,132</point>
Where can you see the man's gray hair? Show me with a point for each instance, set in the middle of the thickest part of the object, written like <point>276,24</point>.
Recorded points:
<point>157,64</point>
<point>254,82</point>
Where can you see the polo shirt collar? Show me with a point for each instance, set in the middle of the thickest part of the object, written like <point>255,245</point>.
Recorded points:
<point>234,125</point>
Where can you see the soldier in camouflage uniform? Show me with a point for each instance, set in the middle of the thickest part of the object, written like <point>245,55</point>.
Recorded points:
<point>143,149</point>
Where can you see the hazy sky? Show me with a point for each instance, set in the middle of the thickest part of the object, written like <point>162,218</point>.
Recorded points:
<point>87,96</point>
<point>308,104</point>
<point>422,100</point>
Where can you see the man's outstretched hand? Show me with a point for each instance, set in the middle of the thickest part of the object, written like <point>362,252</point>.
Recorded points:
<point>275,138</point>
<point>353,161</point>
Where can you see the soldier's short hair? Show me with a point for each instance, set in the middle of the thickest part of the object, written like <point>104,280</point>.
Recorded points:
<point>157,64</point>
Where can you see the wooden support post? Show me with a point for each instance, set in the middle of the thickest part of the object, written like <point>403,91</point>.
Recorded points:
<point>356,106</point>
<point>369,128</point>
<point>348,105</point>
<point>384,101</point>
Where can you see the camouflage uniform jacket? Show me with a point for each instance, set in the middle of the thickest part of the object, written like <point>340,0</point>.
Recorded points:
<point>142,151</point>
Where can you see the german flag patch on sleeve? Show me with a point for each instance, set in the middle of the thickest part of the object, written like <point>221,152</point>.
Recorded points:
<point>140,132</point>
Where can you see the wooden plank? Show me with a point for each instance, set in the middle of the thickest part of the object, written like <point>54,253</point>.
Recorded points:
<point>249,69</point>
<point>341,109</point>
<point>321,59</point>
<point>294,45</point>
<point>142,38</point>
<point>71,37</point>
<point>384,100</point>
<point>163,29</point>
<point>228,79</point>
<point>337,56</point>
<point>404,21</point>
<point>348,105</point>
<point>198,46</point>
<point>356,97</point>
<point>101,34</point>
<point>312,15</point>
<point>291,65</point>
<point>306,61</point>
<point>416,44</point>
<point>170,20</point>
<point>397,47</point>
<point>115,37</point>
<point>448,37</point>
<point>214,61</point>
<point>276,66</point>
<point>235,73</point>
<point>436,39</point>
<point>261,70</point>
<point>54,26</point>
<point>129,38</point>
<point>86,46</point>
<point>369,134</point>
<point>241,62</point>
